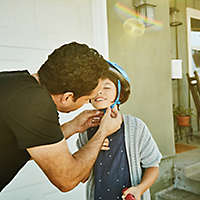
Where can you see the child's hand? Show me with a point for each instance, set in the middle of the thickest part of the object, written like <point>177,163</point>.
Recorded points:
<point>105,145</point>
<point>134,191</point>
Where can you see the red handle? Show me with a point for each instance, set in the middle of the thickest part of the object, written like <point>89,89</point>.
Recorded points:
<point>128,196</point>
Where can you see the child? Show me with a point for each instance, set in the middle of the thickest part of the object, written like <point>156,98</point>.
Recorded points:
<point>129,157</point>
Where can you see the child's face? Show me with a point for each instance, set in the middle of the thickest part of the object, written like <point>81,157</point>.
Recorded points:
<point>106,95</point>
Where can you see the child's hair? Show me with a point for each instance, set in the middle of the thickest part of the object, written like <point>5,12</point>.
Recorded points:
<point>114,76</point>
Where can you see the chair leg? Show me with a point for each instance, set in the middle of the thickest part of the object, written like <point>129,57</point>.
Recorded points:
<point>177,135</point>
<point>187,134</point>
<point>190,129</point>
<point>191,133</point>
<point>180,133</point>
<point>176,131</point>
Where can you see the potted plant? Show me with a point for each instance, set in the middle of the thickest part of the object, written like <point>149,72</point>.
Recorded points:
<point>183,115</point>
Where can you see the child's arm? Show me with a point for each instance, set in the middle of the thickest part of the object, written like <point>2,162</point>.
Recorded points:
<point>150,157</point>
<point>149,177</point>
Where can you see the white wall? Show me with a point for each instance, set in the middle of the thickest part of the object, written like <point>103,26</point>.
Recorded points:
<point>29,31</point>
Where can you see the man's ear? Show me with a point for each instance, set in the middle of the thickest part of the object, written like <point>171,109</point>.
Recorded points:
<point>68,97</point>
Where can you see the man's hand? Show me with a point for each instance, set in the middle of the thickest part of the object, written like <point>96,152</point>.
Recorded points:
<point>111,121</point>
<point>87,119</point>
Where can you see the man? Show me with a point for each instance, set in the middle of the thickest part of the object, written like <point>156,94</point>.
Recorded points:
<point>29,124</point>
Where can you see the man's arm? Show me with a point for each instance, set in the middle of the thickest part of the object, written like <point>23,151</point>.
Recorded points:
<point>104,147</point>
<point>64,170</point>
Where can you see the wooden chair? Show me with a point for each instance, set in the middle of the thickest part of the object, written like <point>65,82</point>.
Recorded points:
<point>194,86</point>
<point>198,81</point>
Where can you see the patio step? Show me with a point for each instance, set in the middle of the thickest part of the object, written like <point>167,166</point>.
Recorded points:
<point>195,177</point>
<point>193,172</point>
<point>188,178</point>
<point>187,171</point>
<point>176,194</point>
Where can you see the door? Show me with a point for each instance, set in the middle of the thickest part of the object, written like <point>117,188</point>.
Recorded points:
<point>29,31</point>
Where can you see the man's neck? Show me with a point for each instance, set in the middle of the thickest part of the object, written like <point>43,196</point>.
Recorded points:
<point>54,97</point>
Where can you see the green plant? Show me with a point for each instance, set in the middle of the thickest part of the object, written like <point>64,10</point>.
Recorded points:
<point>182,111</point>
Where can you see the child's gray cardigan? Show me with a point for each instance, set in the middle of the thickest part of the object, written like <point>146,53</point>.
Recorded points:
<point>142,152</point>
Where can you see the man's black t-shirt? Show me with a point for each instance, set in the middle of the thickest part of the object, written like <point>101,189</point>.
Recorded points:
<point>28,118</point>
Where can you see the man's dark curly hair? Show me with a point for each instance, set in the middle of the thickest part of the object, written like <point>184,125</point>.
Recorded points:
<point>73,68</point>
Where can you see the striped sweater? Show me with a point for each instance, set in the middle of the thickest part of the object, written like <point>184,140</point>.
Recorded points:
<point>142,152</point>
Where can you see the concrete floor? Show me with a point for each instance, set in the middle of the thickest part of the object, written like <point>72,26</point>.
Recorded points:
<point>188,158</point>
<point>177,194</point>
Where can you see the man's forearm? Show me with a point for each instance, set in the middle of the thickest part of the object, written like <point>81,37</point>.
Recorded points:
<point>62,168</point>
<point>85,158</point>
<point>149,177</point>
<point>68,129</point>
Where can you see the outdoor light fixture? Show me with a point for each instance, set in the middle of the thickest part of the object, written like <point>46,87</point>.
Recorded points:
<point>145,9</point>
<point>174,17</point>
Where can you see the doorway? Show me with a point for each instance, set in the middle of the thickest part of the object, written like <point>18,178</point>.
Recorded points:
<point>193,50</point>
